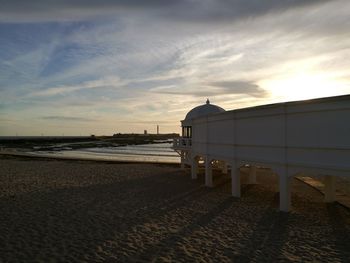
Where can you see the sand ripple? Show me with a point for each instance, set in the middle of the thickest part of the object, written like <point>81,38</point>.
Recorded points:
<point>70,211</point>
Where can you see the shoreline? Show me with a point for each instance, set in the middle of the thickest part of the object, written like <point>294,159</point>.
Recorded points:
<point>71,158</point>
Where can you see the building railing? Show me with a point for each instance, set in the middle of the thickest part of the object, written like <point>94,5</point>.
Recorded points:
<point>182,142</point>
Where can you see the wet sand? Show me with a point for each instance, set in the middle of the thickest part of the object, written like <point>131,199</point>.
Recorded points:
<point>76,211</point>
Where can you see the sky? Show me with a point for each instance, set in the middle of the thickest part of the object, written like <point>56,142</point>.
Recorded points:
<point>81,67</point>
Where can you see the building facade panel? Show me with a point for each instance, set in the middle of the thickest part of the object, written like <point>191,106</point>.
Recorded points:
<point>262,130</point>
<point>319,129</point>
<point>221,132</point>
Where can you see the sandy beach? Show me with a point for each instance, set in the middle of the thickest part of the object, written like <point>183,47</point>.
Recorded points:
<point>83,211</point>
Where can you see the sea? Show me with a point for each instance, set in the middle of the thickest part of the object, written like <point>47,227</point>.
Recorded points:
<point>157,152</point>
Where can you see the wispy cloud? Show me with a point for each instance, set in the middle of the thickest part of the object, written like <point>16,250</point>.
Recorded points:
<point>240,87</point>
<point>95,84</point>
<point>41,10</point>
<point>215,89</point>
<point>66,118</point>
<point>130,64</point>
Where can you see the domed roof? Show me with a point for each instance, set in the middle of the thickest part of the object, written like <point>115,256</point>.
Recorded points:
<point>203,110</point>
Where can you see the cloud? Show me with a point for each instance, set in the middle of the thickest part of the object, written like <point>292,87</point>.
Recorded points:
<point>69,10</point>
<point>94,84</point>
<point>239,87</point>
<point>133,63</point>
<point>7,120</point>
<point>67,118</point>
<point>180,10</point>
<point>218,88</point>
<point>217,11</point>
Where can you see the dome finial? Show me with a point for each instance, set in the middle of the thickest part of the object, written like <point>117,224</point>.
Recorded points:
<point>208,102</point>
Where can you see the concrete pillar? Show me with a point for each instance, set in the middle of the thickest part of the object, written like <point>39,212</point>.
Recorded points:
<point>182,160</point>
<point>285,183</point>
<point>329,188</point>
<point>208,173</point>
<point>194,168</point>
<point>235,180</point>
<point>224,167</point>
<point>252,175</point>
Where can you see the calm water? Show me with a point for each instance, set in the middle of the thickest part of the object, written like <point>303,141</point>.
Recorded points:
<point>160,152</point>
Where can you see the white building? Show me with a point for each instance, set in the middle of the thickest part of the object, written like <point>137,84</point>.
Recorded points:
<point>310,136</point>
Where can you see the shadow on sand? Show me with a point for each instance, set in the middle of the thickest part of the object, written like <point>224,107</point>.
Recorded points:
<point>143,218</point>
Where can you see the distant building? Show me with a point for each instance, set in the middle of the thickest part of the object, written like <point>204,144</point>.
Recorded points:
<point>305,136</point>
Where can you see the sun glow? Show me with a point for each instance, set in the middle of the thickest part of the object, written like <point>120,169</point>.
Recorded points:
<point>305,86</point>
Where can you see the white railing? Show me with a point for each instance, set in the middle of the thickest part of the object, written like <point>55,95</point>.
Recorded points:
<point>182,142</point>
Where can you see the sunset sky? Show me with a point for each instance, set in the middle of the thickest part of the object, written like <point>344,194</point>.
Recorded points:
<point>102,67</point>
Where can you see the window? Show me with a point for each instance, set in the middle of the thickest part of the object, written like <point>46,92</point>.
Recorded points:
<point>187,131</point>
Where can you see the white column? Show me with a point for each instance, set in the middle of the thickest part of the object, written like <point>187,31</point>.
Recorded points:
<point>194,168</point>
<point>252,174</point>
<point>208,173</point>
<point>285,183</point>
<point>329,188</point>
<point>224,167</point>
<point>235,180</point>
<point>182,160</point>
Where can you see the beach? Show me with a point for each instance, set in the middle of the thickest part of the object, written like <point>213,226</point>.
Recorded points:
<point>85,211</point>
